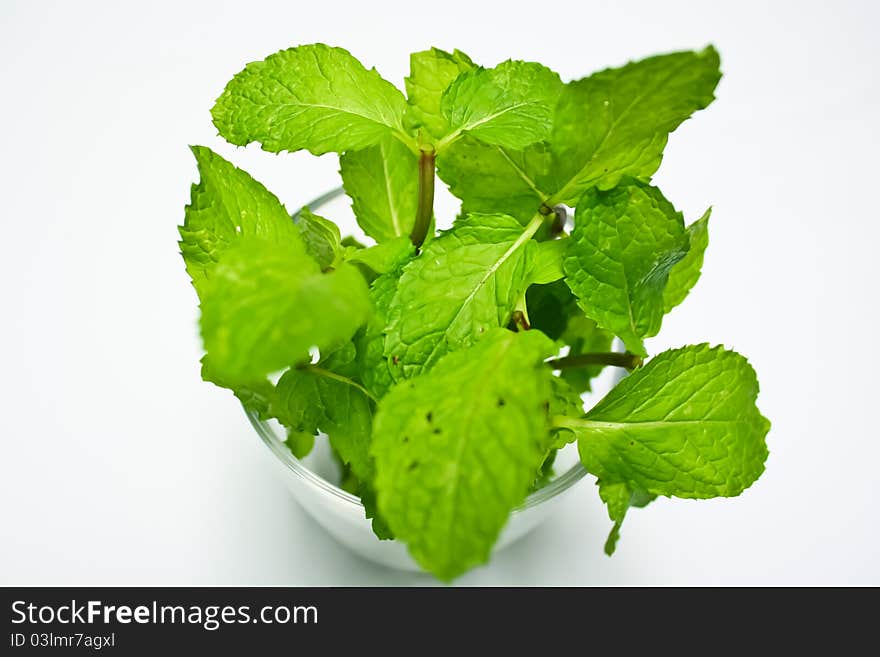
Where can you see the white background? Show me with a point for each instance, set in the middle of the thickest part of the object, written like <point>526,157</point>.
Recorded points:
<point>119,465</point>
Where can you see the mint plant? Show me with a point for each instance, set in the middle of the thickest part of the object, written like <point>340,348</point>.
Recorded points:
<point>452,363</point>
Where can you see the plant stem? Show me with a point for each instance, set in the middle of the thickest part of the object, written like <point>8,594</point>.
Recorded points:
<point>425,210</point>
<point>627,360</point>
<point>520,317</point>
<point>520,320</point>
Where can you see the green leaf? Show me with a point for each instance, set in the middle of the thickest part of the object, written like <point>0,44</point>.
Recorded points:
<point>548,261</point>
<point>227,206</point>
<point>465,282</point>
<point>615,123</point>
<point>685,274</point>
<point>385,257</point>
<point>564,401</point>
<point>684,425</point>
<point>321,237</point>
<point>383,183</point>
<point>509,105</point>
<point>267,303</point>
<point>311,97</point>
<point>545,474</point>
<point>326,397</point>
<point>616,498</point>
<point>371,510</point>
<point>489,178</point>
<point>458,448</point>
<point>612,124</point>
<point>374,365</point>
<point>349,242</point>
<point>300,443</point>
<point>619,498</point>
<point>621,250</point>
<point>255,396</point>
<point>431,72</point>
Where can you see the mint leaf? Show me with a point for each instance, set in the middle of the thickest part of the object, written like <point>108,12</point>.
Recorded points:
<point>619,499</point>
<point>686,272</point>
<point>684,425</point>
<point>227,206</point>
<point>371,511</point>
<point>375,370</point>
<point>321,237</point>
<point>385,257</point>
<point>610,125</point>
<point>458,448</point>
<point>374,366</point>
<point>548,261</point>
<point>564,400</point>
<point>267,303</point>
<point>431,72</point>
<point>326,397</point>
<point>615,123</point>
<point>616,498</point>
<point>465,282</point>
<point>311,97</point>
<point>383,184</point>
<point>509,105</point>
<point>255,396</point>
<point>349,242</point>
<point>299,443</point>
<point>489,178</point>
<point>620,252</point>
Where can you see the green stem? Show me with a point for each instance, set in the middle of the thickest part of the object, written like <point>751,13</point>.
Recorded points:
<point>444,143</point>
<point>627,360</point>
<point>407,141</point>
<point>520,321</point>
<point>425,210</point>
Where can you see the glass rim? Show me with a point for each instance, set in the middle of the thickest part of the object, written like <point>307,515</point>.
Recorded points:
<point>557,486</point>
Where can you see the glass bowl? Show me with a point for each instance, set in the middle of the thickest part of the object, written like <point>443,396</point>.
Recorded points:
<point>312,480</point>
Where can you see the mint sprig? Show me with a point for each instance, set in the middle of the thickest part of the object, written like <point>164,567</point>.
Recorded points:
<point>451,365</point>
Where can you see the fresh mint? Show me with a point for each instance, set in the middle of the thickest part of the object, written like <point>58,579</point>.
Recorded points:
<point>457,448</point>
<point>466,281</point>
<point>312,97</point>
<point>451,365</point>
<point>431,73</point>
<point>686,272</point>
<point>624,243</point>
<point>321,237</point>
<point>326,397</point>
<point>382,184</point>
<point>509,105</point>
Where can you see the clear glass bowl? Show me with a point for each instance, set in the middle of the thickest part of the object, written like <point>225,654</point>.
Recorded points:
<point>312,480</point>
